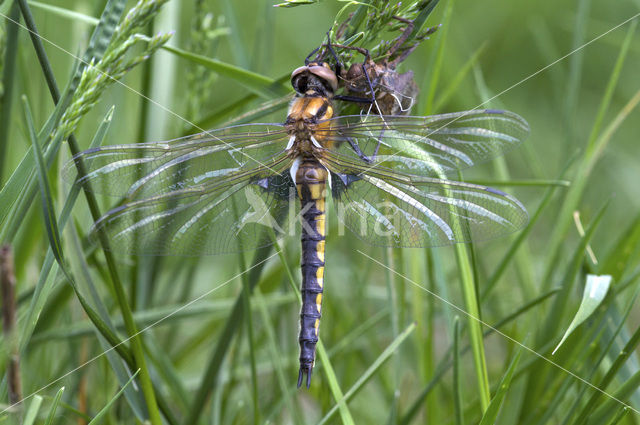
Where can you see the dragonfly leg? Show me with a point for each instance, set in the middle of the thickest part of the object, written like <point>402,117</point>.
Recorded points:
<point>361,155</point>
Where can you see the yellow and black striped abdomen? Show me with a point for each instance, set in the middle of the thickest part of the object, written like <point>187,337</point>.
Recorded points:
<point>311,178</point>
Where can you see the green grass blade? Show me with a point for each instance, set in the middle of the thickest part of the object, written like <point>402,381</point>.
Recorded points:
<point>611,346</point>
<point>554,318</point>
<point>7,85</point>
<point>561,301</point>
<point>594,292</point>
<point>622,358</point>
<point>260,85</point>
<point>51,224</point>
<point>452,88</point>
<point>371,370</point>
<point>518,241</point>
<point>447,361</point>
<point>622,413</point>
<point>32,411</point>
<point>624,252</point>
<point>65,13</point>
<point>436,64</point>
<point>233,323</point>
<point>473,323</point>
<point>458,405</point>
<point>590,158</point>
<point>49,270</point>
<point>276,357</point>
<point>100,415</point>
<point>491,414</point>
<point>610,407</point>
<point>54,406</point>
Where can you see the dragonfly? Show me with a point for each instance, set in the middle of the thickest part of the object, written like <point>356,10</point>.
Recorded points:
<point>243,187</point>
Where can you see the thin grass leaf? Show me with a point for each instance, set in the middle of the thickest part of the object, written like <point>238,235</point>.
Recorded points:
<point>54,406</point>
<point>446,363</point>
<point>595,290</point>
<point>276,357</point>
<point>622,413</point>
<point>295,3</point>
<point>7,86</point>
<point>491,414</point>
<point>227,115</point>
<point>522,235</point>
<point>475,328</point>
<point>22,183</point>
<point>260,85</point>
<point>457,387</point>
<point>537,383</point>
<point>624,252</point>
<point>332,380</point>
<point>65,13</point>
<point>606,353</point>
<point>621,359</point>
<point>576,62</point>
<point>561,301</point>
<point>138,15</point>
<point>610,407</point>
<point>49,270</point>
<point>100,415</point>
<point>371,370</point>
<point>456,80</point>
<point>233,323</point>
<point>436,62</point>
<point>51,224</point>
<point>32,411</point>
<point>238,45</point>
<point>595,146</point>
<point>121,369</point>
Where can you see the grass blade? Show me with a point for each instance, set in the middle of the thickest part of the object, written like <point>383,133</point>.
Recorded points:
<point>594,292</point>
<point>8,69</point>
<point>51,224</point>
<point>491,414</point>
<point>371,370</point>
<point>594,148</point>
<point>458,406</point>
<point>54,407</point>
<point>98,417</point>
<point>260,85</point>
<point>475,328</point>
<point>32,412</point>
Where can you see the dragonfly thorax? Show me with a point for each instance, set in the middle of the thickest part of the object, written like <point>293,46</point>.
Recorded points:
<point>307,126</point>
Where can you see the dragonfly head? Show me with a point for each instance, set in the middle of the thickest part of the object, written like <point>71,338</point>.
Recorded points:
<point>314,78</point>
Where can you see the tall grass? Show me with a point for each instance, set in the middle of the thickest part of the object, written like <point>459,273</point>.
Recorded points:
<point>449,335</point>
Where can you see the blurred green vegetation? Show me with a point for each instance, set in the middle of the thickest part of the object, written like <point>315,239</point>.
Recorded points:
<point>584,130</point>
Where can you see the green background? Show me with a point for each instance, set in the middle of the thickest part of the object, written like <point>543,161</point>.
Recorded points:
<point>576,111</point>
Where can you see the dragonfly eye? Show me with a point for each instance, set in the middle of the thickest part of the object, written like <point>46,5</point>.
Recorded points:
<point>313,75</point>
<point>326,75</point>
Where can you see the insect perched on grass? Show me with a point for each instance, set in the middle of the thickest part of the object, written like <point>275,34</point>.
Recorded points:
<point>235,188</point>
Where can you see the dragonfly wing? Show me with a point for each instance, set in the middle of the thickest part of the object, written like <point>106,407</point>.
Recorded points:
<point>430,146</point>
<point>237,212</point>
<point>138,171</point>
<point>392,209</point>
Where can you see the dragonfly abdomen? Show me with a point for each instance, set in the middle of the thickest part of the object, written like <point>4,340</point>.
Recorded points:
<point>311,179</point>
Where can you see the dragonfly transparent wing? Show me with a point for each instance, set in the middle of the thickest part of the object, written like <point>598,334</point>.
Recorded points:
<point>430,146</point>
<point>242,210</point>
<point>383,207</point>
<point>138,171</point>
